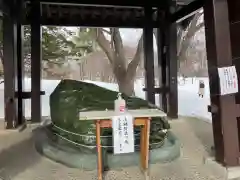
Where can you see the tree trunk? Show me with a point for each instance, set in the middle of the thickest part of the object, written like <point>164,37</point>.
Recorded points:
<point>123,70</point>
<point>1,66</point>
<point>1,57</point>
<point>125,74</point>
<point>126,85</point>
<point>125,82</point>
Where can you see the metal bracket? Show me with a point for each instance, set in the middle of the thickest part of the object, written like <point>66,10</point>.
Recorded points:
<point>212,108</point>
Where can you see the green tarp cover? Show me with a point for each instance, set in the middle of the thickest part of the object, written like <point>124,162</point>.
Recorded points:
<point>71,97</point>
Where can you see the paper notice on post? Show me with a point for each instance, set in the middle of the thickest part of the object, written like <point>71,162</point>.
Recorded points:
<point>228,80</point>
<point>123,135</point>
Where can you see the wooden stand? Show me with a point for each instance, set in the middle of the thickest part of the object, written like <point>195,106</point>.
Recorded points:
<point>144,145</point>
<point>141,117</point>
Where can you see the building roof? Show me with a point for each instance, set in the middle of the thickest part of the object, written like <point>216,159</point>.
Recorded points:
<point>124,3</point>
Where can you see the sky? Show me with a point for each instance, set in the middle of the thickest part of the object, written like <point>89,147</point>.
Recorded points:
<point>130,36</point>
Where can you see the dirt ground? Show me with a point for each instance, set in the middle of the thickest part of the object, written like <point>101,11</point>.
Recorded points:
<point>20,161</point>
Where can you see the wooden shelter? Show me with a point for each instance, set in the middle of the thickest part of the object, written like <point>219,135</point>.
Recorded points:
<point>222,25</point>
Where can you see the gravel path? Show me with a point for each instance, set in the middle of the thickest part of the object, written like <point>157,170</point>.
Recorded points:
<point>20,161</point>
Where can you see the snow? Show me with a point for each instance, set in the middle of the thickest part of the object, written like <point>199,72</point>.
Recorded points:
<point>189,102</point>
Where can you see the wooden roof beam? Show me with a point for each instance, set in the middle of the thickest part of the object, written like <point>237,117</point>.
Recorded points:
<point>187,11</point>
<point>124,3</point>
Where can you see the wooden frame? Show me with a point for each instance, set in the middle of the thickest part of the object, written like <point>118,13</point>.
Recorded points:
<point>144,144</point>
<point>224,110</point>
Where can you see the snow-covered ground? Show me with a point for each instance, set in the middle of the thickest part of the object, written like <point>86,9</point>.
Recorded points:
<point>189,102</point>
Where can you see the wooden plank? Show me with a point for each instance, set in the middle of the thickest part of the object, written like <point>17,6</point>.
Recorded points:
<point>159,90</point>
<point>137,122</point>
<point>123,3</point>
<point>84,16</point>
<point>139,113</point>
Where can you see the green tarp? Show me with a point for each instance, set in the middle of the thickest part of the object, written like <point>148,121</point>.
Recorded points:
<point>71,97</point>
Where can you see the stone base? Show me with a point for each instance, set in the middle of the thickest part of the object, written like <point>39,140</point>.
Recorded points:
<point>230,173</point>
<point>87,161</point>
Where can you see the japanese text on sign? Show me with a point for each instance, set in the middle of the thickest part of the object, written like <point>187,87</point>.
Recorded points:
<point>228,80</point>
<point>123,137</point>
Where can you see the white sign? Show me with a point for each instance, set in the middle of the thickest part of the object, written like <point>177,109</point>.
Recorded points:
<point>123,137</point>
<point>228,80</point>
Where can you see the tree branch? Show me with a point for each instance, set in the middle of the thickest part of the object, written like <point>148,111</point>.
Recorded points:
<point>111,41</point>
<point>185,36</point>
<point>132,66</point>
<point>120,61</point>
<point>118,46</point>
<point>179,37</point>
<point>106,31</point>
<point>103,43</point>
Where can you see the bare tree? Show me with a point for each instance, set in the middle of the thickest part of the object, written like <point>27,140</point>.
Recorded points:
<point>123,70</point>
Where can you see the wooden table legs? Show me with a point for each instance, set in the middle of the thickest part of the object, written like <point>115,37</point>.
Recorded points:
<point>144,148</point>
<point>99,150</point>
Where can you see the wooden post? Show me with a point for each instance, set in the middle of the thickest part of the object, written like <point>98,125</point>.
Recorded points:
<point>219,54</point>
<point>162,61</point>
<point>99,150</point>
<point>145,149</point>
<point>167,48</point>
<point>234,18</point>
<point>142,147</point>
<point>36,60</point>
<point>9,54</point>
<point>172,63</point>
<point>20,65</point>
<point>148,55</point>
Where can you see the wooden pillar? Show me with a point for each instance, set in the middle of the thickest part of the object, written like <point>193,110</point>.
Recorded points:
<point>148,55</point>
<point>35,61</point>
<point>9,54</point>
<point>219,55</point>
<point>20,66</point>
<point>162,61</point>
<point>172,61</point>
<point>234,18</point>
<point>168,49</point>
